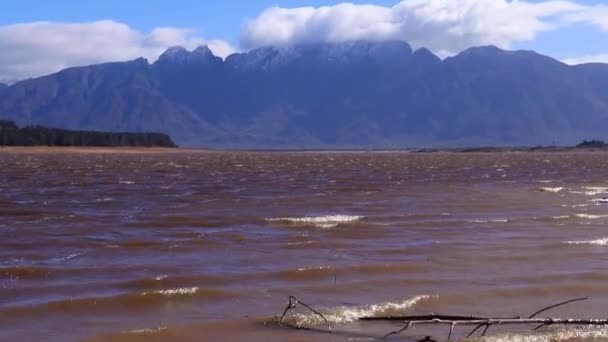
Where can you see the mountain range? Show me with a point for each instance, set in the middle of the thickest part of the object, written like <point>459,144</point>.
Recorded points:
<point>326,95</point>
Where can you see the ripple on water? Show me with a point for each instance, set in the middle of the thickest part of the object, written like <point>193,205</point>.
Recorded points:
<point>132,301</point>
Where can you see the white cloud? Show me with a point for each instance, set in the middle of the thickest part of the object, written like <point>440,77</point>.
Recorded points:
<point>596,58</point>
<point>34,49</point>
<point>444,26</point>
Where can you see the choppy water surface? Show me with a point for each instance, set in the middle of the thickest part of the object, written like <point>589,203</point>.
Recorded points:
<point>190,246</point>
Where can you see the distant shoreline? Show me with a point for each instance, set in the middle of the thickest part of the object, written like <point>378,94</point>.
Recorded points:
<point>158,150</point>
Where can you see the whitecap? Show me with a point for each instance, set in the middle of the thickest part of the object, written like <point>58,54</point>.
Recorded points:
<point>146,331</point>
<point>320,268</point>
<point>341,315</point>
<point>592,190</point>
<point>105,199</point>
<point>174,292</point>
<point>329,221</point>
<point>551,189</point>
<point>591,216</point>
<point>489,221</point>
<point>599,242</point>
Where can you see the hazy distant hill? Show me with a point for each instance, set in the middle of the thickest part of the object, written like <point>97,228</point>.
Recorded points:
<point>327,95</point>
<point>3,87</point>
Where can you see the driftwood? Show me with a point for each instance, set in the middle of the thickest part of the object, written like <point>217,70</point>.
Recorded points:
<point>455,320</point>
<point>487,322</point>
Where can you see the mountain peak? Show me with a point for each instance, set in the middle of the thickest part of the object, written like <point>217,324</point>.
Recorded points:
<point>174,53</point>
<point>484,51</point>
<point>424,56</point>
<point>342,53</point>
<point>181,56</point>
<point>202,50</point>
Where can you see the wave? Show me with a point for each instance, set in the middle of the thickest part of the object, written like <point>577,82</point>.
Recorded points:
<point>551,189</point>
<point>599,242</point>
<point>328,221</point>
<point>145,331</point>
<point>173,282</point>
<point>506,220</point>
<point>592,190</point>
<point>25,272</point>
<point>341,315</point>
<point>591,216</point>
<point>183,291</point>
<point>129,301</point>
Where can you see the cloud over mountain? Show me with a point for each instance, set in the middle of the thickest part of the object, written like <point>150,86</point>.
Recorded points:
<point>34,49</point>
<point>445,26</point>
<point>595,58</point>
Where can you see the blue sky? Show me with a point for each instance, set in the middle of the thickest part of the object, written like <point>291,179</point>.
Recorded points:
<point>584,38</point>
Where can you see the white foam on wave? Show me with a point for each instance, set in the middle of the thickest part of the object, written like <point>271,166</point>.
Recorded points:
<point>174,292</point>
<point>551,189</point>
<point>502,220</point>
<point>563,334</point>
<point>592,190</point>
<point>320,268</point>
<point>591,216</point>
<point>328,221</point>
<point>145,331</point>
<point>598,242</point>
<point>343,315</point>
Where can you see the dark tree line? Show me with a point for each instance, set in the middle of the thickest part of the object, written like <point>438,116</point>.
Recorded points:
<point>592,144</point>
<point>12,135</point>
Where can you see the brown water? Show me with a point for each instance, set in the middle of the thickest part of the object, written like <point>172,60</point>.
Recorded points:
<point>193,245</point>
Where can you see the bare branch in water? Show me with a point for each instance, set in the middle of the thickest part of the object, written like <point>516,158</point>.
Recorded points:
<point>485,330</point>
<point>397,332</point>
<point>293,304</point>
<point>556,305</point>
<point>454,320</point>
<point>474,330</point>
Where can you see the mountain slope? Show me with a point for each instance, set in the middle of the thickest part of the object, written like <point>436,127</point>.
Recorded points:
<point>354,94</point>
